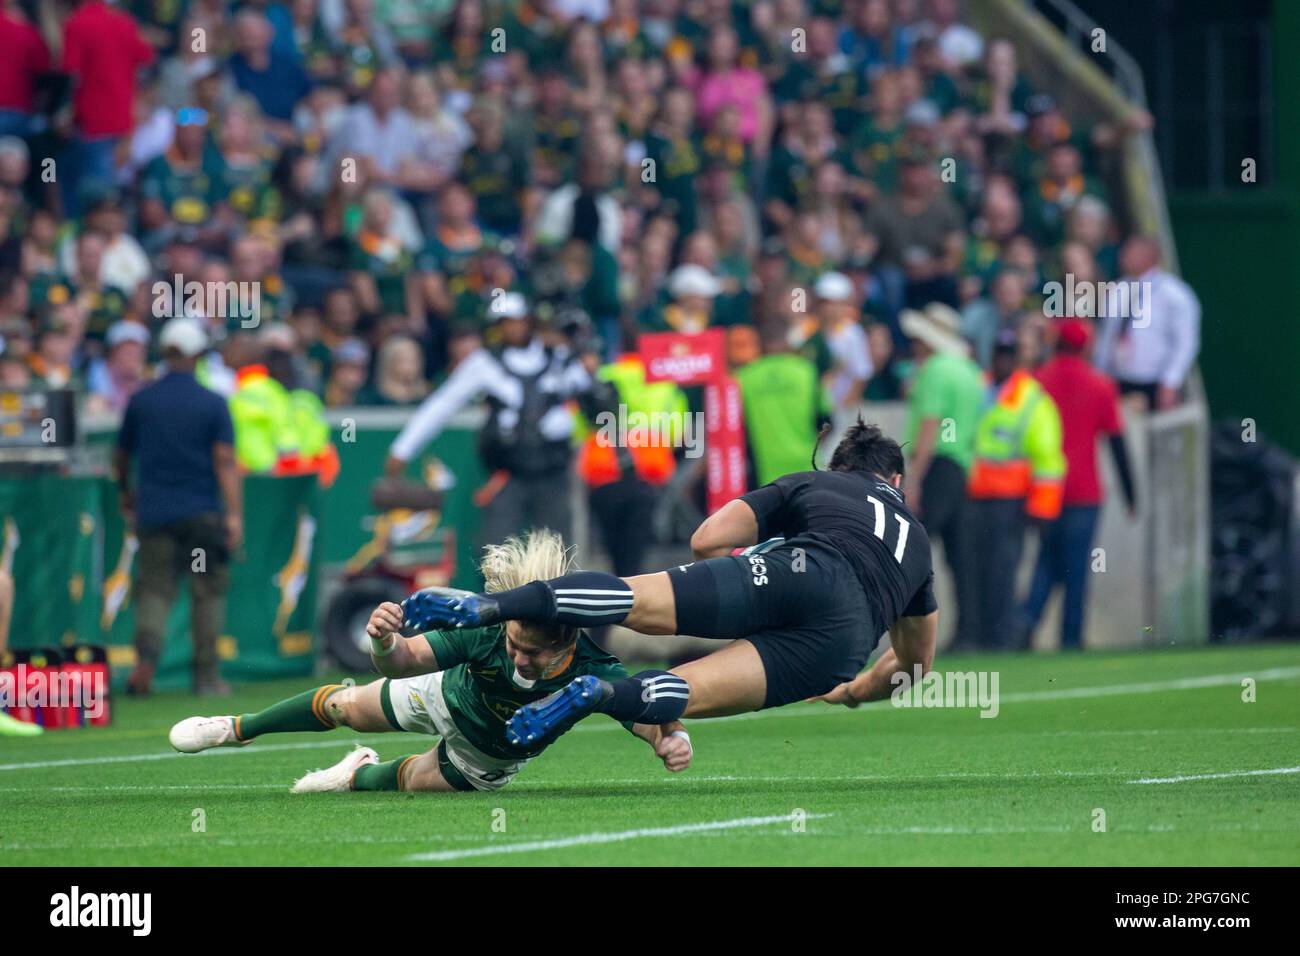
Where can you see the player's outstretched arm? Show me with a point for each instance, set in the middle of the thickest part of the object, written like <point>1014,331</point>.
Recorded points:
<point>734,525</point>
<point>913,641</point>
<point>392,654</point>
<point>670,741</point>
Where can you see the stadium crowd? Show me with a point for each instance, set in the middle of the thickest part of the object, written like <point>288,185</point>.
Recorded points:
<point>856,186</point>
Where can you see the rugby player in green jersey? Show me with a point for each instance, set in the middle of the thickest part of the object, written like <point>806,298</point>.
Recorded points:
<point>460,685</point>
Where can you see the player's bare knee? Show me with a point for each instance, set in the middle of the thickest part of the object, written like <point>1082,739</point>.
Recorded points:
<point>422,773</point>
<point>341,706</point>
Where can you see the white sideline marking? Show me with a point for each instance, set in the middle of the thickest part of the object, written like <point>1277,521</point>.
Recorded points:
<point>1184,683</point>
<point>1219,776</point>
<point>215,752</point>
<point>1022,697</point>
<point>586,839</point>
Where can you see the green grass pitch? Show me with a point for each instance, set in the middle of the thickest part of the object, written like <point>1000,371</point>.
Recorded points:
<point>875,786</point>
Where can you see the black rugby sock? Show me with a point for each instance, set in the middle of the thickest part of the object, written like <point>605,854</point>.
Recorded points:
<point>580,599</point>
<point>650,697</point>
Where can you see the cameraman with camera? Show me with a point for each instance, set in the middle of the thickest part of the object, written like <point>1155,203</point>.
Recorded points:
<point>526,444</point>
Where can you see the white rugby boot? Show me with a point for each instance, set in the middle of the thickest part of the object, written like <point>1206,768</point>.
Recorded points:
<point>338,778</point>
<point>196,734</point>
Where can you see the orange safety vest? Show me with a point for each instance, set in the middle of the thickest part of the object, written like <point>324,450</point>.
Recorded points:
<point>1018,450</point>
<point>654,463</point>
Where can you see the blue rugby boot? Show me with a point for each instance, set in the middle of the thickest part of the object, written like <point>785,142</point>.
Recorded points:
<point>544,720</point>
<point>446,608</point>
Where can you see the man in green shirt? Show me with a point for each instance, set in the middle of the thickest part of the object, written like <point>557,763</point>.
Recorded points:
<point>785,406</point>
<point>461,686</point>
<point>944,404</point>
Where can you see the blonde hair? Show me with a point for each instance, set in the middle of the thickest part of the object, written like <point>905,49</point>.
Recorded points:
<point>535,556</point>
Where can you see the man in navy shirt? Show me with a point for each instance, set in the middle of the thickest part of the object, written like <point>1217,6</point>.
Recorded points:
<point>264,72</point>
<point>185,504</point>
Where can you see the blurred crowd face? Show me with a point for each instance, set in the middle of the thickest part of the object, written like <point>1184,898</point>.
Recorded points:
<point>701,249</point>
<point>127,361</point>
<point>1138,256</point>
<point>253,34</point>
<point>401,363</point>
<point>456,206</point>
<point>1000,61</point>
<point>679,109</point>
<point>190,137</point>
<point>14,373</point>
<point>341,312</point>
<point>385,91</point>
<point>1009,290</point>
<point>1063,163</point>
<point>1001,212</point>
<point>378,214</point>
<point>584,50</point>
<point>1077,260</point>
<point>880,344</point>
<point>724,48</point>
<point>90,256</point>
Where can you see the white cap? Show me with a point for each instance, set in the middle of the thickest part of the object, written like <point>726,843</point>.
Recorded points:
<point>508,305</point>
<point>124,331</point>
<point>691,279</point>
<point>834,287</point>
<point>184,334</point>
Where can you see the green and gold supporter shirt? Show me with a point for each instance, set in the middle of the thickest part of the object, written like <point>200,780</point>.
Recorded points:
<point>677,163</point>
<point>185,190</point>
<point>482,690</point>
<point>245,186</point>
<point>497,180</point>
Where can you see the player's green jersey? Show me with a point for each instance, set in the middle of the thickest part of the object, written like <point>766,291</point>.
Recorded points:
<point>482,690</point>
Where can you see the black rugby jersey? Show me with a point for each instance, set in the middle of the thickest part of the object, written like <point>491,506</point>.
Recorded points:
<point>865,520</point>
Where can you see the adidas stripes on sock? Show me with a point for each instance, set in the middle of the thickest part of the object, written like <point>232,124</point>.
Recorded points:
<point>650,697</point>
<point>579,599</point>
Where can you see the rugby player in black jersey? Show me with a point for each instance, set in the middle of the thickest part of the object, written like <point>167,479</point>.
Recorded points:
<point>804,612</point>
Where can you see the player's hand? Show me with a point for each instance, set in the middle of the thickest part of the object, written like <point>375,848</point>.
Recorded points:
<point>386,619</point>
<point>843,694</point>
<point>675,752</point>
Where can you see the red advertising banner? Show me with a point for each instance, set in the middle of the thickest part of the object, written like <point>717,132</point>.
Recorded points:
<point>684,359</point>
<point>724,423</point>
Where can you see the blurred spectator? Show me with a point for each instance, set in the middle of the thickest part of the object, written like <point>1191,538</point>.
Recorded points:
<point>624,480</point>
<point>526,443</point>
<point>181,495</point>
<point>693,290</point>
<point>1089,405</point>
<point>113,379</point>
<point>886,384</point>
<point>26,57</point>
<point>983,319</point>
<point>1016,477</point>
<point>837,313</point>
<point>919,232</point>
<point>102,49</point>
<point>398,374</point>
<point>944,404</point>
<point>785,407</point>
<point>269,75</point>
<point>1151,345</point>
<point>348,369</point>
<point>378,133</point>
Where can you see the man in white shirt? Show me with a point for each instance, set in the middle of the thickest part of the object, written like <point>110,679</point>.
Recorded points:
<point>1151,335</point>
